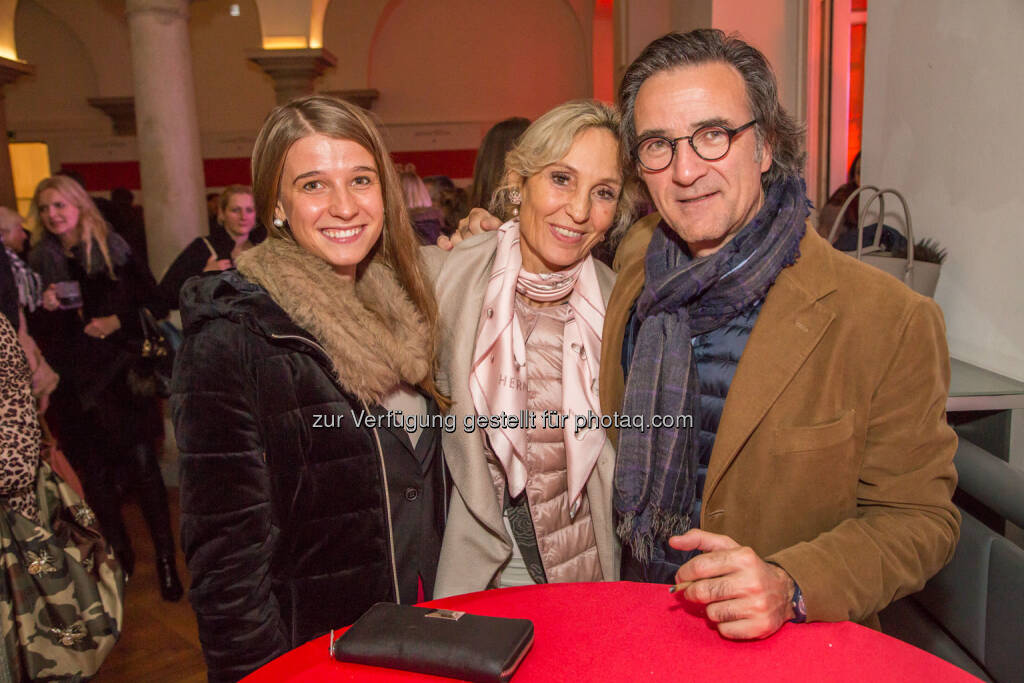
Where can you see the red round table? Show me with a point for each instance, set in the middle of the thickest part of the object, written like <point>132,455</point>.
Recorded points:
<point>637,631</point>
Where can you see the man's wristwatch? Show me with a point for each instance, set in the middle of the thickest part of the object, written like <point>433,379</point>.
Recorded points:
<point>799,606</point>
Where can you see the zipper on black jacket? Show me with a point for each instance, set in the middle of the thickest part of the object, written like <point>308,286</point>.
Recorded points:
<point>383,467</point>
<point>387,508</point>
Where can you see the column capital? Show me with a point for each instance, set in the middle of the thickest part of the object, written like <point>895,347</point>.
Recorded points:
<point>120,110</point>
<point>12,69</point>
<point>293,71</point>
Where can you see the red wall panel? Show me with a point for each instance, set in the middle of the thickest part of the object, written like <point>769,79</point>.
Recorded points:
<point>103,176</point>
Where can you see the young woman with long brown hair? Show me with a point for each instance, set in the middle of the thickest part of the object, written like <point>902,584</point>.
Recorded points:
<point>305,500</point>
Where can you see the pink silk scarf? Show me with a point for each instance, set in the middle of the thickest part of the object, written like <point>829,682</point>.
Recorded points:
<point>497,380</point>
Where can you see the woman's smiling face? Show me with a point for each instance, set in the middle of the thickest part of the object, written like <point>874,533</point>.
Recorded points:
<point>568,206</point>
<point>331,196</point>
<point>58,214</point>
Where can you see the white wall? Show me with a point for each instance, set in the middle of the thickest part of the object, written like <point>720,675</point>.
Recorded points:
<point>65,77</point>
<point>774,28</point>
<point>944,92</point>
<point>349,28</point>
<point>233,95</point>
<point>81,50</point>
<point>451,61</point>
<point>446,70</point>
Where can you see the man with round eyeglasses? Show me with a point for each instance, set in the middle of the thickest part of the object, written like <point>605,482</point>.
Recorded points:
<point>710,143</point>
<point>818,485</point>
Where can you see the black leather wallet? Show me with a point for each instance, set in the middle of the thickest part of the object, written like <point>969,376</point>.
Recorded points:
<point>441,642</point>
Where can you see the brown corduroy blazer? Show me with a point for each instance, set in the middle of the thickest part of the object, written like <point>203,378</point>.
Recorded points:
<point>833,458</point>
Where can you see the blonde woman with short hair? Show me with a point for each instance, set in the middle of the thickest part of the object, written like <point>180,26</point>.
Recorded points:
<point>525,307</point>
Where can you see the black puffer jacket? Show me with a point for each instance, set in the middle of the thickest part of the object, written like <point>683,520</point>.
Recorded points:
<point>284,523</point>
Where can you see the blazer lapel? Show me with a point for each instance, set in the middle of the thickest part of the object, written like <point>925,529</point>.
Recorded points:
<point>395,429</point>
<point>790,324</point>
<point>424,447</point>
<point>460,295</point>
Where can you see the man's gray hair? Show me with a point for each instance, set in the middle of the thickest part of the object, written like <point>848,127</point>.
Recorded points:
<point>774,126</point>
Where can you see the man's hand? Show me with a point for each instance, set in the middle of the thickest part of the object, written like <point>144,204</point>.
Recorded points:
<point>743,595</point>
<point>477,222</point>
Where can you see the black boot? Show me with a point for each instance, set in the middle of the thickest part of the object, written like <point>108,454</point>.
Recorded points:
<point>152,496</point>
<point>167,577</point>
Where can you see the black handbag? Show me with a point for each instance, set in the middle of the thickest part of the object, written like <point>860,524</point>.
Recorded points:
<point>150,373</point>
<point>440,642</point>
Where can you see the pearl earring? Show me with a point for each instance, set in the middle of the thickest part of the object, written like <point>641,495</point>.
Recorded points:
<point>278,222</point>
<point>515,198</point>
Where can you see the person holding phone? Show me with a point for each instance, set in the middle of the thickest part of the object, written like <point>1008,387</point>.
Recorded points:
<point>95,287</point>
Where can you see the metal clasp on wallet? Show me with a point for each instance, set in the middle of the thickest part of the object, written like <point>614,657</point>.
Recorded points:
<point>450,615</point>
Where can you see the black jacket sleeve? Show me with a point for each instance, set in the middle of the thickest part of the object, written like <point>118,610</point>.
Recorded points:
<point>190,261</point>
<point>228,532</point>
<point>136,289</point>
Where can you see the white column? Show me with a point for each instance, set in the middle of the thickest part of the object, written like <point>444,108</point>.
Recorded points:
<point>168,129</point>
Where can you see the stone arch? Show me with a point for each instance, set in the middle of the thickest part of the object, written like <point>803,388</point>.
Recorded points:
<point>66,75</point>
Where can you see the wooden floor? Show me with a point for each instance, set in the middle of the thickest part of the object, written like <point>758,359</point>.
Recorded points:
<point>158,639</point>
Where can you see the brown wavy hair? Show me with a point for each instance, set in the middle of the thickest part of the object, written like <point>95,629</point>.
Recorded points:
<point>489,167</point>
<point>398,246</point>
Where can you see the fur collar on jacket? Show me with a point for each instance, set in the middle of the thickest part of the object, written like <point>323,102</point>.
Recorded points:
<point>370,329</point>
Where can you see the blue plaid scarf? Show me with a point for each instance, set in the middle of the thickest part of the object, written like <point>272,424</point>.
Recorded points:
<point>683,297</point>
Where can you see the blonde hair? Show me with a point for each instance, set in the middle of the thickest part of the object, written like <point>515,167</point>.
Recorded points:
<point>398,246</point>
<point>547,140</point>
<point>229,192</point>
<point>89,219</point>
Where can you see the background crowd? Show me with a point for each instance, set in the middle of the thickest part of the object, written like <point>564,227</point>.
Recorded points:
<point>318,292</point>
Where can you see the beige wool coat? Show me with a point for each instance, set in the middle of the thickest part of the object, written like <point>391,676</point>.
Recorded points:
<point>833,458</point>
<point>476,546</point>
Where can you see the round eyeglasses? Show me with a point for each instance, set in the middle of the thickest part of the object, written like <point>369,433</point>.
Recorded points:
<point>710,143</point>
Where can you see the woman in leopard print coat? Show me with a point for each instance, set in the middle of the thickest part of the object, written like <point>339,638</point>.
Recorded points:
<point>19,427</point>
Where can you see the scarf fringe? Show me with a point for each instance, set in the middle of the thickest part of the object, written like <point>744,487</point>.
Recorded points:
<point>661,528</point>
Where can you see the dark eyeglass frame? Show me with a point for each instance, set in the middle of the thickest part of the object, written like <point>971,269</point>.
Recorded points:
<point>731,132</point>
